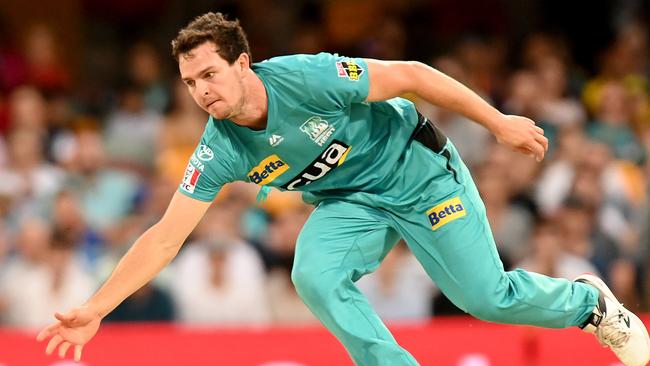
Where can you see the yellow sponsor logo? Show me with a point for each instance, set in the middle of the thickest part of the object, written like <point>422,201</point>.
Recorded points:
<point>353,70</point>
<point>349,69</point>
<point>446,212</point>
<point>267,170</point>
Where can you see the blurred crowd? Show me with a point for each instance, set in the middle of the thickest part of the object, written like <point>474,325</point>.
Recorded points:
<point>87,165</point>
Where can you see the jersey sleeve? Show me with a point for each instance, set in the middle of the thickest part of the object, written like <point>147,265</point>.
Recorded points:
<point>335,81</point>
<point>206,172</point>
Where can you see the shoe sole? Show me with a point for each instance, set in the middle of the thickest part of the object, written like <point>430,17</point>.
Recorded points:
<point>601,286</point>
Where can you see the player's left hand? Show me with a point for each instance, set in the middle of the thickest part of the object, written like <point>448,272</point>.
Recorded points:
<point>73,328</point>
<point>522,135</point>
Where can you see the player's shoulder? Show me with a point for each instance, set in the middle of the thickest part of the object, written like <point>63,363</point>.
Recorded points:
<point>296,61</point>
<point>220,139</point>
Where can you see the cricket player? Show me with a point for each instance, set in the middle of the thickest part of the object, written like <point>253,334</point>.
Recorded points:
<point>335,129</point>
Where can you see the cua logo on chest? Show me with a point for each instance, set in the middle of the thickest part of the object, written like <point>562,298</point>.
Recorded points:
<point>333,156</point>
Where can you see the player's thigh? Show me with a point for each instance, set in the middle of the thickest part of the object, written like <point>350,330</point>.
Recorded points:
<point>345,235</point>
<point>452,239</point>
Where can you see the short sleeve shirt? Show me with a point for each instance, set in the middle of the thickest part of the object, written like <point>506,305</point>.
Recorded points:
<point>321,134</point>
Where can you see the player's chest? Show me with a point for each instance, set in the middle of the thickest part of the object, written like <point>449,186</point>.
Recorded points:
<point>297,153</point>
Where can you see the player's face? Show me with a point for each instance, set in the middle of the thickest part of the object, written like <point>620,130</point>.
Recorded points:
<point>215,85</point>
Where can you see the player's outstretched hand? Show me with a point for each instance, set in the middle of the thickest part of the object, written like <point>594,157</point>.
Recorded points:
<point>522,135</point>
<point>74,328</point>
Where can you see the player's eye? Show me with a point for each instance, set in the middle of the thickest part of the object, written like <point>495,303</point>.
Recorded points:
<point>189,83</point>
<point>209,75</point>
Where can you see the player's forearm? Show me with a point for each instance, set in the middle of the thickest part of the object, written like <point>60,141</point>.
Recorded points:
<point>146,258</point>
<point>439,89</point>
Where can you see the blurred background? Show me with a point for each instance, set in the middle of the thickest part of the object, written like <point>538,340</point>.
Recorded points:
<point>96,130</point>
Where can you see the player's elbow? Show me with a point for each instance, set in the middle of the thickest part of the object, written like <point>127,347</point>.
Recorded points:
<point>418,74</point>
<point>408,75</point>
<point>163,238</point>
<point>390,79</point>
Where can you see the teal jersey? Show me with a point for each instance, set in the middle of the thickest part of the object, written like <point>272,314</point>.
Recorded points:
<point>320,136</point>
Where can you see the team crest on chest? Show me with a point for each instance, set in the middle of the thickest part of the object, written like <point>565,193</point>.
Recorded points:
<point>318,130</point>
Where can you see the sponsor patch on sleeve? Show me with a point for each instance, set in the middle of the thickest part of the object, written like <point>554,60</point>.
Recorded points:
<point>444,213</point>
<point>349,69</point>
<point>190,178</point>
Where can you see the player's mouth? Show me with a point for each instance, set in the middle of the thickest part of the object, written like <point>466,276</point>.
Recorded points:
<point>211,103</point>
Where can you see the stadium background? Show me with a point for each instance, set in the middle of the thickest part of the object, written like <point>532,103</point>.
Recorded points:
<point>96,130</point>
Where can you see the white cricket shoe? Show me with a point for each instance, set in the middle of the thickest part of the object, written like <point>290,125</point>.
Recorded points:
<point>616,327</point>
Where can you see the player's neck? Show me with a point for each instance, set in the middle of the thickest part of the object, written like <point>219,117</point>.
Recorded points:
<point>254,110</point>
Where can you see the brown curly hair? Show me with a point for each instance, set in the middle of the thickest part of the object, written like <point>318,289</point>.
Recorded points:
<point>228,35</point>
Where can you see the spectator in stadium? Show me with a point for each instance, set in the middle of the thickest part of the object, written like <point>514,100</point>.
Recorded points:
<point>178,134</point>
<point>44,275</point>
<point>287,218</point>
<point>106,194</point>
<point>549,257</point>
<point>29,181</point>
<point>613,123</point>
<point>400,288</point>
<point>219,278</point>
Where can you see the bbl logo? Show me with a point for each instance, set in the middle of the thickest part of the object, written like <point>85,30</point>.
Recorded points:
<point>349,69</point>
<point>267,170</point>
<point>446,212</point>
<point>318,130</point>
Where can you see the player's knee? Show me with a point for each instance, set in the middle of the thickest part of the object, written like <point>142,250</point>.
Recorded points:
<point>490,302</point>
<point>304,279</point>
<point>486,310</point>
<point>313,285</point>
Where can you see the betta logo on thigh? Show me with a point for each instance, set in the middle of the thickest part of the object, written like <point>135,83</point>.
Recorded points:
<point>445,212</point>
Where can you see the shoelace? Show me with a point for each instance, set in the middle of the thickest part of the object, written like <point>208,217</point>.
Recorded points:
<point>612,331</point>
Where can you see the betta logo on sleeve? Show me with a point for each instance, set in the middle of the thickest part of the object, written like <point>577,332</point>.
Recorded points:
<point>446,212</point>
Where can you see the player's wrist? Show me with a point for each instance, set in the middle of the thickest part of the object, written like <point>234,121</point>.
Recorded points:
<point>95,309</point>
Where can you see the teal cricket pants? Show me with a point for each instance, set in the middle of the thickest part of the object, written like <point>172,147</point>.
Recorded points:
<point>347,236</point>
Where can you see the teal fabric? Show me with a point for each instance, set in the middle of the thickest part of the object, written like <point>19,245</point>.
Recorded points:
<point>347,236</point>
<point>318,126</point>
<point>372,185</point>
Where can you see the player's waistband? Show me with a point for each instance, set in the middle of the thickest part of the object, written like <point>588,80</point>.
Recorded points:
<point>429,135</point>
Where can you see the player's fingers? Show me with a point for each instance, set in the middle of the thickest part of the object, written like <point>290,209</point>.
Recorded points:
<point>539,129</point>
<point>52,344</point>
<point>543,141</point>
<point>63,348</point>
<point>77,352</point>
<point>65,317</point>
<point>48,331</point>
<point>538,150</point>
<point>524,150</point>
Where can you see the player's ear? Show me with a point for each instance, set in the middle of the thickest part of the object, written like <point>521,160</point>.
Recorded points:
<point>243,61</point>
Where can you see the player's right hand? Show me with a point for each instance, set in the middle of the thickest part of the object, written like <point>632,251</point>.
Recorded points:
<point>522,135</point>
<point>73,328</point>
